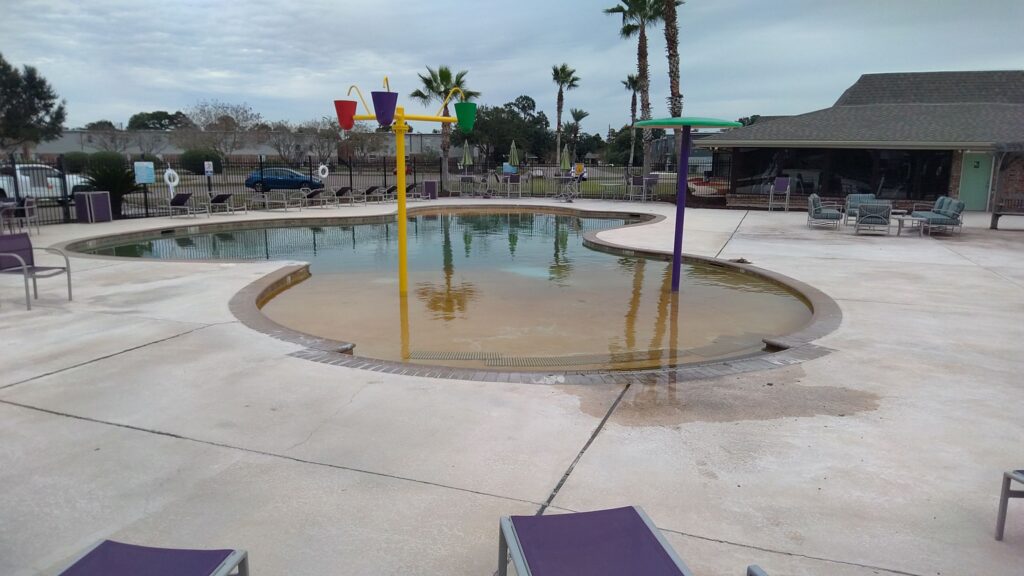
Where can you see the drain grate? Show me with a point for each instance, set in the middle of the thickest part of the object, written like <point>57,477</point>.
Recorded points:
<point>431,355</point>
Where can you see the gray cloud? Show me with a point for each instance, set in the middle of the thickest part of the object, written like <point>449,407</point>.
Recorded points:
<point>110,59</point>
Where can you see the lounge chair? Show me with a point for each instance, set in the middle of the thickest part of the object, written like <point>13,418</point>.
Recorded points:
<point>853,202</point>
<point>110,558</point>
<point>23,214</point>
<point>181,203</point>
<point>780,189</point>
<point>314,197</point>
<point>348,195</point>
<point>17,257</point>
<point>381,195</point>
<point>822,213</point>
<point>412,192</point>
<point>945,215</point>
<point>1004,498</point>
<point>513,185</point>
<point>600,543</point>
<point>873,217</point>
<point>222,203</point>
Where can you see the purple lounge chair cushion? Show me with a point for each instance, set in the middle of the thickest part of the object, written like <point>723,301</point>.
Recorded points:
<point>601,543</point>
<point>220,199</point>
<point>116,559</point>
<point>181,199</point>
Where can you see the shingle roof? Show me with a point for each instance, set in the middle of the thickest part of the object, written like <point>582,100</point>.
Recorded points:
<point>912,110</point>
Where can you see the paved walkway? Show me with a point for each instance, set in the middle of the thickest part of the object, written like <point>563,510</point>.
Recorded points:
<point>144,411</point>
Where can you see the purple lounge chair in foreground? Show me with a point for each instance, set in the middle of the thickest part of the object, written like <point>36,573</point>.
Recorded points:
<point>109,558</point>
<point>17,257</point>
<point>600,543</point>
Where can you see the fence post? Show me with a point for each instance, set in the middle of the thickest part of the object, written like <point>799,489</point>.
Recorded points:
<point>261,167</point>
<point>66,204</point>
<point>384,160</point>
<point>17,185</point>
<point>351,183</point>
<point>440,173</point>
<point>413,170</point>
<point>309,161</point>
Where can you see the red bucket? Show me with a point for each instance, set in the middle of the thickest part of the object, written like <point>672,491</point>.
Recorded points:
<point>346,110</point>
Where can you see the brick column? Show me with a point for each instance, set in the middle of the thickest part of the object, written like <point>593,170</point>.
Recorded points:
<point>956,165</point>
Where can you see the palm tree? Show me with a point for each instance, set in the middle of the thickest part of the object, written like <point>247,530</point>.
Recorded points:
<point>436,86</point>
<point>637,16</point>
<point>577,117</point>
<point>675,98</point>
<point>566,79</point>
<point>632,84</point>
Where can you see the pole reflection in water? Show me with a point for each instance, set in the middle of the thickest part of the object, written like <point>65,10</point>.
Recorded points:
<point>403,315</point>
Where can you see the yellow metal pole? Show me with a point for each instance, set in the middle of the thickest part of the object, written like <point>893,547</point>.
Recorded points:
<point>400,128</point>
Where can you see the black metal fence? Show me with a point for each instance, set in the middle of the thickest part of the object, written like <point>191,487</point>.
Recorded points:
<point>53,183</point>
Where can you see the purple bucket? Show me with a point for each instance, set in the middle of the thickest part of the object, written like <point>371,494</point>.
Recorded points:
<point>384,104</point>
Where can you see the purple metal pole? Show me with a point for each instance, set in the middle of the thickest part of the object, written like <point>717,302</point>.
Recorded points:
<point>683,170</point>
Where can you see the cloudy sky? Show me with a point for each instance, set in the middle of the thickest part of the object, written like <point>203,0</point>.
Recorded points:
<point>289,60</point>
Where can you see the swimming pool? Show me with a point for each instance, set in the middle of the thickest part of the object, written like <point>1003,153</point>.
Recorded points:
<point>500,290</point>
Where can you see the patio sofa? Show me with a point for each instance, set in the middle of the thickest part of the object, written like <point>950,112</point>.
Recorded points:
<point>945,215</point>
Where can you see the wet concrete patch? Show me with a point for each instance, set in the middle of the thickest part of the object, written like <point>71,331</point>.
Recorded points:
<point>753,396</point>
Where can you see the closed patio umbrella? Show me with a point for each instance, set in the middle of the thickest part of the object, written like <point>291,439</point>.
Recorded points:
<point>467,157</point>
<point>566,162</point>
<point>513,155</point>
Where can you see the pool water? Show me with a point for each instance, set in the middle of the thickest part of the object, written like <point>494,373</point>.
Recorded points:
<point>502,290</point>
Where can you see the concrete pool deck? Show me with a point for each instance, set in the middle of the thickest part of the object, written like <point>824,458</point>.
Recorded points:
<point>144,411</point>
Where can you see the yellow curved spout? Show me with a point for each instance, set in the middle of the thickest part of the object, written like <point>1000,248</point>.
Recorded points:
<point>449,97</point>
<point>361,99</point>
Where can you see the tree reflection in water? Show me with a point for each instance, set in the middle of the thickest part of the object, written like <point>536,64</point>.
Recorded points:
<point>447,301</point>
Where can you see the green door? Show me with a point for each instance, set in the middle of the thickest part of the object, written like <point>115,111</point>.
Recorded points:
<point>975,176</point>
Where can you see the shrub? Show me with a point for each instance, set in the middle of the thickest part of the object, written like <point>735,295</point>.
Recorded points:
<point>75,162</point>
<point>114,177</point>
<point>106,160</point>
<point>192,160</point>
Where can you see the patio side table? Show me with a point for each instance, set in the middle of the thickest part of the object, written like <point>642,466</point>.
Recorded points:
<point>910,222</point>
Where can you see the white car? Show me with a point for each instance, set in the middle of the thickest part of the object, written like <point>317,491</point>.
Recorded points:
<point>38,181</point>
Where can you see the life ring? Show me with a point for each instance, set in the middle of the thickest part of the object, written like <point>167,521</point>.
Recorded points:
<point>171,178</point>
<point>323,171</point>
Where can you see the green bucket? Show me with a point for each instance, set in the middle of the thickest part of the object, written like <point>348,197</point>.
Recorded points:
<point>466,113</point>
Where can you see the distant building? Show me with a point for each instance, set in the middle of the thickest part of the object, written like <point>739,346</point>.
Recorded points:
<point>903,136</point>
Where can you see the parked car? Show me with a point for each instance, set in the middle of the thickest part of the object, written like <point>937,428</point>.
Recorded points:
<point>38,181</point>
<point>281,179</point>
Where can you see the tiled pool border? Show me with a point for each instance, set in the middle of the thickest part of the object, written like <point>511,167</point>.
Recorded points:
<point>793,348</point>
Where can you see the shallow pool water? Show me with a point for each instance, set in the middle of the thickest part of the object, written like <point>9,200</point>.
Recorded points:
<point>502,290</point>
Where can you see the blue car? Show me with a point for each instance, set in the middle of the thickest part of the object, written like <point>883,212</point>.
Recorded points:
<point>281,179</point>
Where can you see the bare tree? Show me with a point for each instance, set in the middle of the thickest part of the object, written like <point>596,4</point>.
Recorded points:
<point>323,138</point>
<point>111,140</point>
<point>362,140</point>
<point>288,142</point>
<point>150,142</point>
<point>222,126</point>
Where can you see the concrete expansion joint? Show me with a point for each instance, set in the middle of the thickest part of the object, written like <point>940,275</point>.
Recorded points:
<point>261,452</point>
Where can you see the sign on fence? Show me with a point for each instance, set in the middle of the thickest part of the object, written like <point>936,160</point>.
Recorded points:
<point>145,173</point>
<point>208,167</point>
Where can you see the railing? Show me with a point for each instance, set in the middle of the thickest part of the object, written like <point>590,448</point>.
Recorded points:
<point>53,183</point>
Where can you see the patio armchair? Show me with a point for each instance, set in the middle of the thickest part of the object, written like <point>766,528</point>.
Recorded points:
<point>17,256</point>
<point>110,558</point>
<point>945,215</point>
<point>853,202</point>
<point>873,217</point>
<point>780,188</point>
<point>600,543</point>
<point>822,213</point>
<point>513,185</point>
<point>181,203</point>
<point>22,214</point>
<point>1004,498</point>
